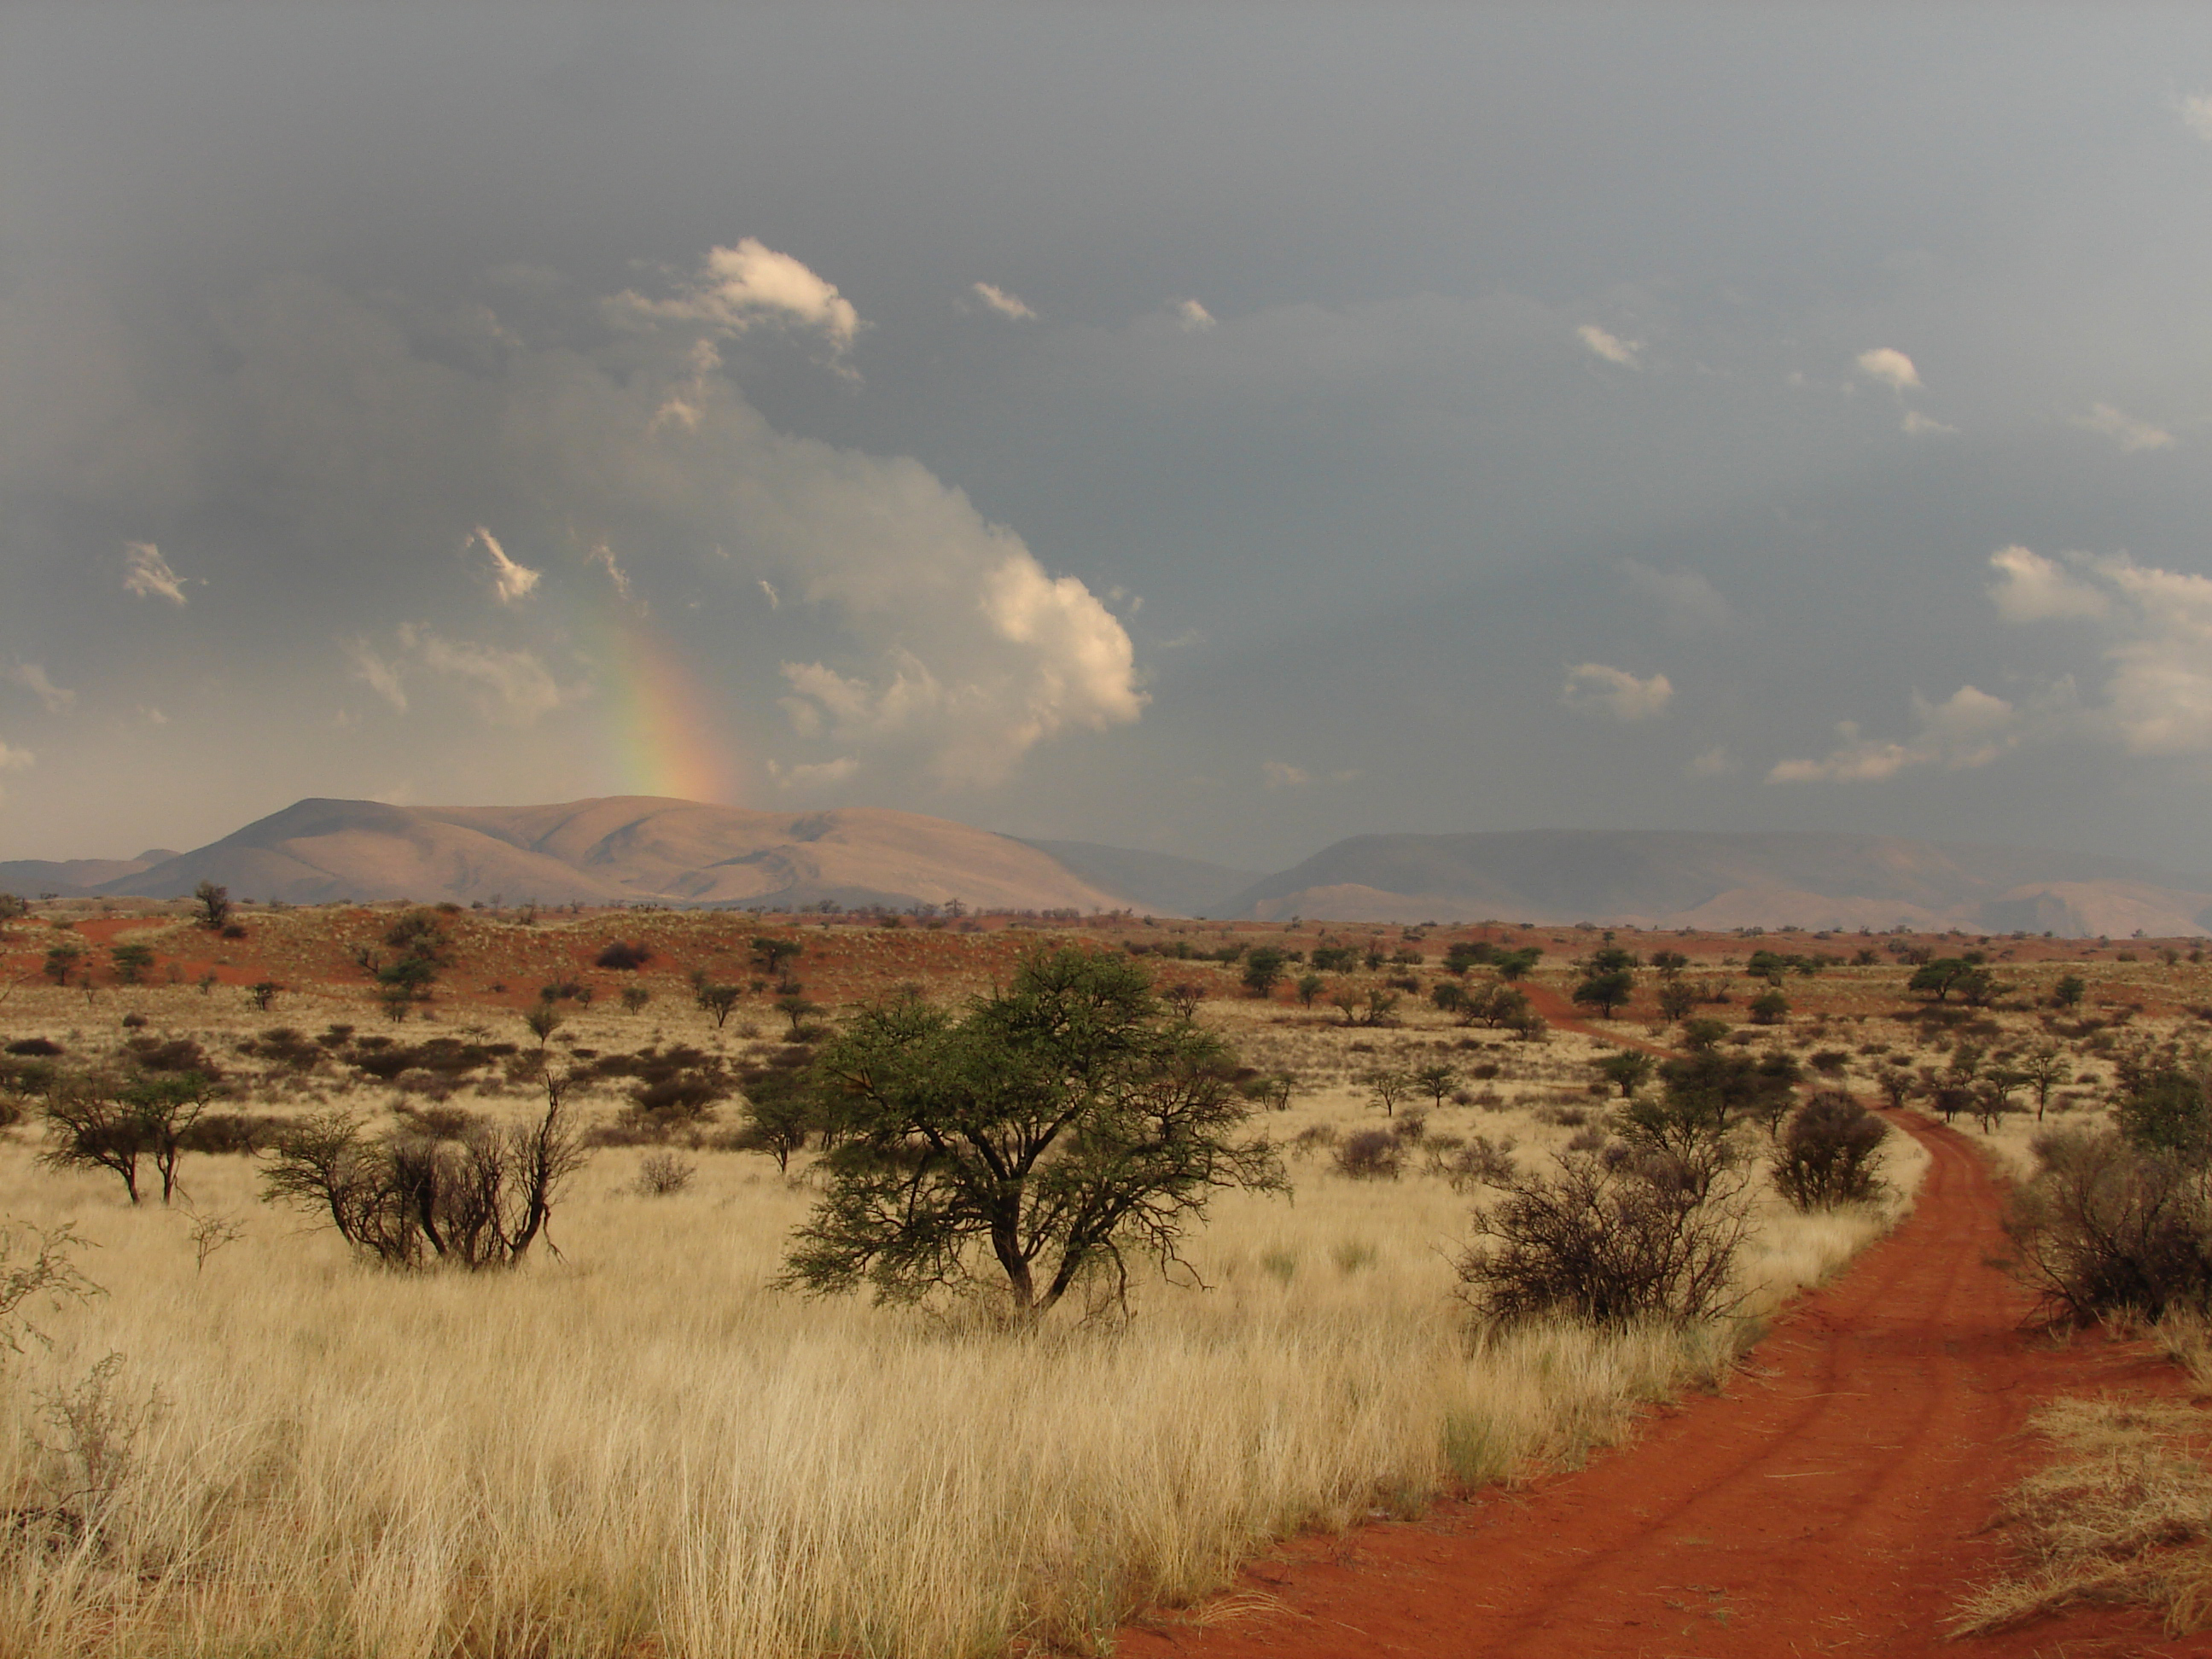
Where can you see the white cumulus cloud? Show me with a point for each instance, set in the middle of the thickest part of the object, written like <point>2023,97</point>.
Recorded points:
<point>2195,111</point>
<point>33,678</point>
<point>1891,367</point>
<point>2132,435</point>
<point>1596,688</point>
<point>1914,424</point>
<point>2032,588</point>
<point>1970,728</point>
<point>1193,318</point>
<point>1005,304</point>
<point>510,582</point>
<point>146,573</point>
<point>2157,700</point>
<point>13,760</point>
<point>1611,347</point>
<point>745,287</point>
<point>1041,656</point>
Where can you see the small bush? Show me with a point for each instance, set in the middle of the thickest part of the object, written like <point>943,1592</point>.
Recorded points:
<point>626,957</point>
<point>1606,1238</point>
<point>1371,1155</point>
<point>1827,1155</point>
<point>662,1174</point>
<point>1479,1161</point>
<point>34,1048</point>
<point>237,1134</point>
<point>2110,1226</point>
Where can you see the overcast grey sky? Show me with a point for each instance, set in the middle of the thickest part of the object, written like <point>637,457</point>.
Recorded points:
<point>1216,429</point>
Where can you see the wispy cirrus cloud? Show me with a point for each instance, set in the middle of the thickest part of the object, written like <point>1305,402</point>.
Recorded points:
<point>511,583</point>
<point>147,574</point>
<point>2133,437</point>
<point>507,686</point>
<point>32,676</point>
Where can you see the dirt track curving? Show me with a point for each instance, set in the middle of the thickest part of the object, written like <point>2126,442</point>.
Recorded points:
<point>1835,1499</point>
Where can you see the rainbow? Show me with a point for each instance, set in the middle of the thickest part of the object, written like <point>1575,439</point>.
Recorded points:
<point>661,732</point>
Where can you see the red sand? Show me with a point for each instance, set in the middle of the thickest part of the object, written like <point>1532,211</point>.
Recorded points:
<point>1835,1500</point>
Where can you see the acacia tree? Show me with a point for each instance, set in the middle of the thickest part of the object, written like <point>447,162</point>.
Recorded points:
<point>1263,969</point>
<point>214,902</point>
<point>1053,1129</point>
<point>103,1121</point>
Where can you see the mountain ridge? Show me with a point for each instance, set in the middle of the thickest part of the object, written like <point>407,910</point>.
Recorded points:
<point>638,848</point>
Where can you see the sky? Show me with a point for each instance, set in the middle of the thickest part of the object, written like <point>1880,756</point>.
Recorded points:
<point>1214,429</point>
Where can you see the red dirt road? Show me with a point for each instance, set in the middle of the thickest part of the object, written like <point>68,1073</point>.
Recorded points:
<point>1834,1500</point>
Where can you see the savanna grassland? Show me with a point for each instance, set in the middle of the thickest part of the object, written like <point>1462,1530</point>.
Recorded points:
<point>240,1438</point>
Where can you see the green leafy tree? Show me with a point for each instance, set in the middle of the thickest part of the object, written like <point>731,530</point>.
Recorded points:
<point>1627,1070</point>
<point>1388,1086</point>
<point>1940,978</point>
<point>1605,990</point>
<point>1677,998</point>
<point>772,951</point>
<point>1263,969</point>
<point>1436,1081</point>
<point>1468,953</point>
<point>798,1011</point>
<point>2069,991</point>
<point>1518,964</point>
<point>1702,1036</point>
<point>1769,1008</point>
<point>62,958</point>
<point>1309,987</point>
<point>1055,1129</point>
<point>101,1121</point>
<point>132,963</point>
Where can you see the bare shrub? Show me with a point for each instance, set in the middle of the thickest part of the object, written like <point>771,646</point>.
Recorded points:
<point>1825,1157</point>
<point>1608,1239</point>
<point>1370,1155</point>
<point>1478,1161</point>
<point>662,1174</point>
<point>2107,1226</point>
<point>408,1199</point>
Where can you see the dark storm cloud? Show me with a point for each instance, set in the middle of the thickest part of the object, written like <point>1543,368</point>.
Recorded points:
<point>1220,428</point>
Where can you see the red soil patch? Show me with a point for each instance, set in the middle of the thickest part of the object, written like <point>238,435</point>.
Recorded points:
<point>1836,1500</point>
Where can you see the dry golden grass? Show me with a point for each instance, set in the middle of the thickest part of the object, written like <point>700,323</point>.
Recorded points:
<point>646,1448</point>
<point>2124,1515</point>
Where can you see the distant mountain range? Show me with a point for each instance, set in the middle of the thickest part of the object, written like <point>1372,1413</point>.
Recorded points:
<point>643,848</point>
<point>1713,879</point>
